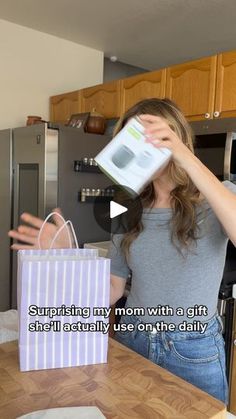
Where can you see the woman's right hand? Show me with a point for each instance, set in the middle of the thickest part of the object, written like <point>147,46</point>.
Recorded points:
<point>28,234</point>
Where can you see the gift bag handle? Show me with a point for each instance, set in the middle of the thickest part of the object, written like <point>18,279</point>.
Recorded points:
<point>65,224</point>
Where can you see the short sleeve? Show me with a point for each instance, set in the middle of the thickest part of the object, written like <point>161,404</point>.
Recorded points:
<point>119,266</point>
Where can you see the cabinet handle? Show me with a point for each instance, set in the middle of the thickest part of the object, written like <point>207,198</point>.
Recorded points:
<point>216,114</point>
<point>207,115</point>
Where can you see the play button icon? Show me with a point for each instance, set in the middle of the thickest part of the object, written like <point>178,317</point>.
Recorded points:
<point>116,209</point>
<point>119,210</point>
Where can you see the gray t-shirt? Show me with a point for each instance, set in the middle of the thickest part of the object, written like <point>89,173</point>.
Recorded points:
<point>161,276</point>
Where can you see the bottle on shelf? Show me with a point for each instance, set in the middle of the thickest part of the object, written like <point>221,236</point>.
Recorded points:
<point>83,195</point>
<point>98,192</point>
<point>76,165</point>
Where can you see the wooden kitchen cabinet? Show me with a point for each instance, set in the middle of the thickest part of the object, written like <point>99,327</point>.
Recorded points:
<point>192,86</point>
<point>142,86</point>
<point>104,98</point>
<point>63,106</point>
<point>203,89</point>
<point>225,104</point>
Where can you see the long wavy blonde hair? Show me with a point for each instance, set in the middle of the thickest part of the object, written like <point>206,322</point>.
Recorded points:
<point>185,195</point>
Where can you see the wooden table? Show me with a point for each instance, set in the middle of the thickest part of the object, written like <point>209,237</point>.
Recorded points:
<point>128,386</point>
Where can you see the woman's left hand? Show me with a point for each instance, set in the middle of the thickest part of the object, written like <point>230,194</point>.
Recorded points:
<point>159,133</point>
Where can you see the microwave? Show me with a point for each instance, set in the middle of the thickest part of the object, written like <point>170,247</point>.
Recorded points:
<point>215,146</point>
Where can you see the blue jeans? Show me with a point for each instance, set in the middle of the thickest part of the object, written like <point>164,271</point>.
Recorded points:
<point>195,357</point>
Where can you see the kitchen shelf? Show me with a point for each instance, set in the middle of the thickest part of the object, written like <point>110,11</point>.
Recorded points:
<point>79,166</point>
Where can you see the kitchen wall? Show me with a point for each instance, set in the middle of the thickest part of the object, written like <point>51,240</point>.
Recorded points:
<point>35,66</point>
<point>118,70</point>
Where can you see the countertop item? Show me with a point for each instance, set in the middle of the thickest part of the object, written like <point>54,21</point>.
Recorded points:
<point>101,246</point>
<point>128,386</point>
<point>87,412</point>
<point>8,325</point>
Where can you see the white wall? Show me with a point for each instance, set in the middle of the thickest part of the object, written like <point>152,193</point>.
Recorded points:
<point>35,66</point>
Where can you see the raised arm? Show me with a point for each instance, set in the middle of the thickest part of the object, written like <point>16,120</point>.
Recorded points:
<point>221,200</point>
<point>28,234</point>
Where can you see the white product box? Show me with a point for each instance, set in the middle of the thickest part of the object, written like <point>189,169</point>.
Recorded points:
<point>128,160</point>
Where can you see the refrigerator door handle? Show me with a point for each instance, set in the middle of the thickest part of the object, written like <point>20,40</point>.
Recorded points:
<point>234,291</point>
<point>221,307</point>
<point>231,136</point>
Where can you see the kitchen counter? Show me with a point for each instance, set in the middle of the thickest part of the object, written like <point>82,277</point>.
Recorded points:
<point>128,386</point>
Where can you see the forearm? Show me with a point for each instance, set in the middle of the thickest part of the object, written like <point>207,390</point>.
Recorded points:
<point>221,200</point>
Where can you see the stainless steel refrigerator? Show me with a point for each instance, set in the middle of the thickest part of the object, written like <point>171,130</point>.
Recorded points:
<point>37,174</point>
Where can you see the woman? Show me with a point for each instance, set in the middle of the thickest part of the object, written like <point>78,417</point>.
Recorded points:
<point>176,256</point>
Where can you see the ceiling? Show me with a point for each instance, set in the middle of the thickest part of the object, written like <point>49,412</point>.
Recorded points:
<point>144,33</point>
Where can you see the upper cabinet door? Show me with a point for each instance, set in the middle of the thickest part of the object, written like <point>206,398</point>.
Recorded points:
<point>225,105</point>
<point>192,87</point>
<point>63,106</point>
<point>142,86</point>
<point>104,98</point>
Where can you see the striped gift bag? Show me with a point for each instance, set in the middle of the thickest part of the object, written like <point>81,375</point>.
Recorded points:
<point>63,303</point>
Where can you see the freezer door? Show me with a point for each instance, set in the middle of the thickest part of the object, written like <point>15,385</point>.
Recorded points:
<point>29,168</point>
<point>35,162</point>
<point>5,216</point>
